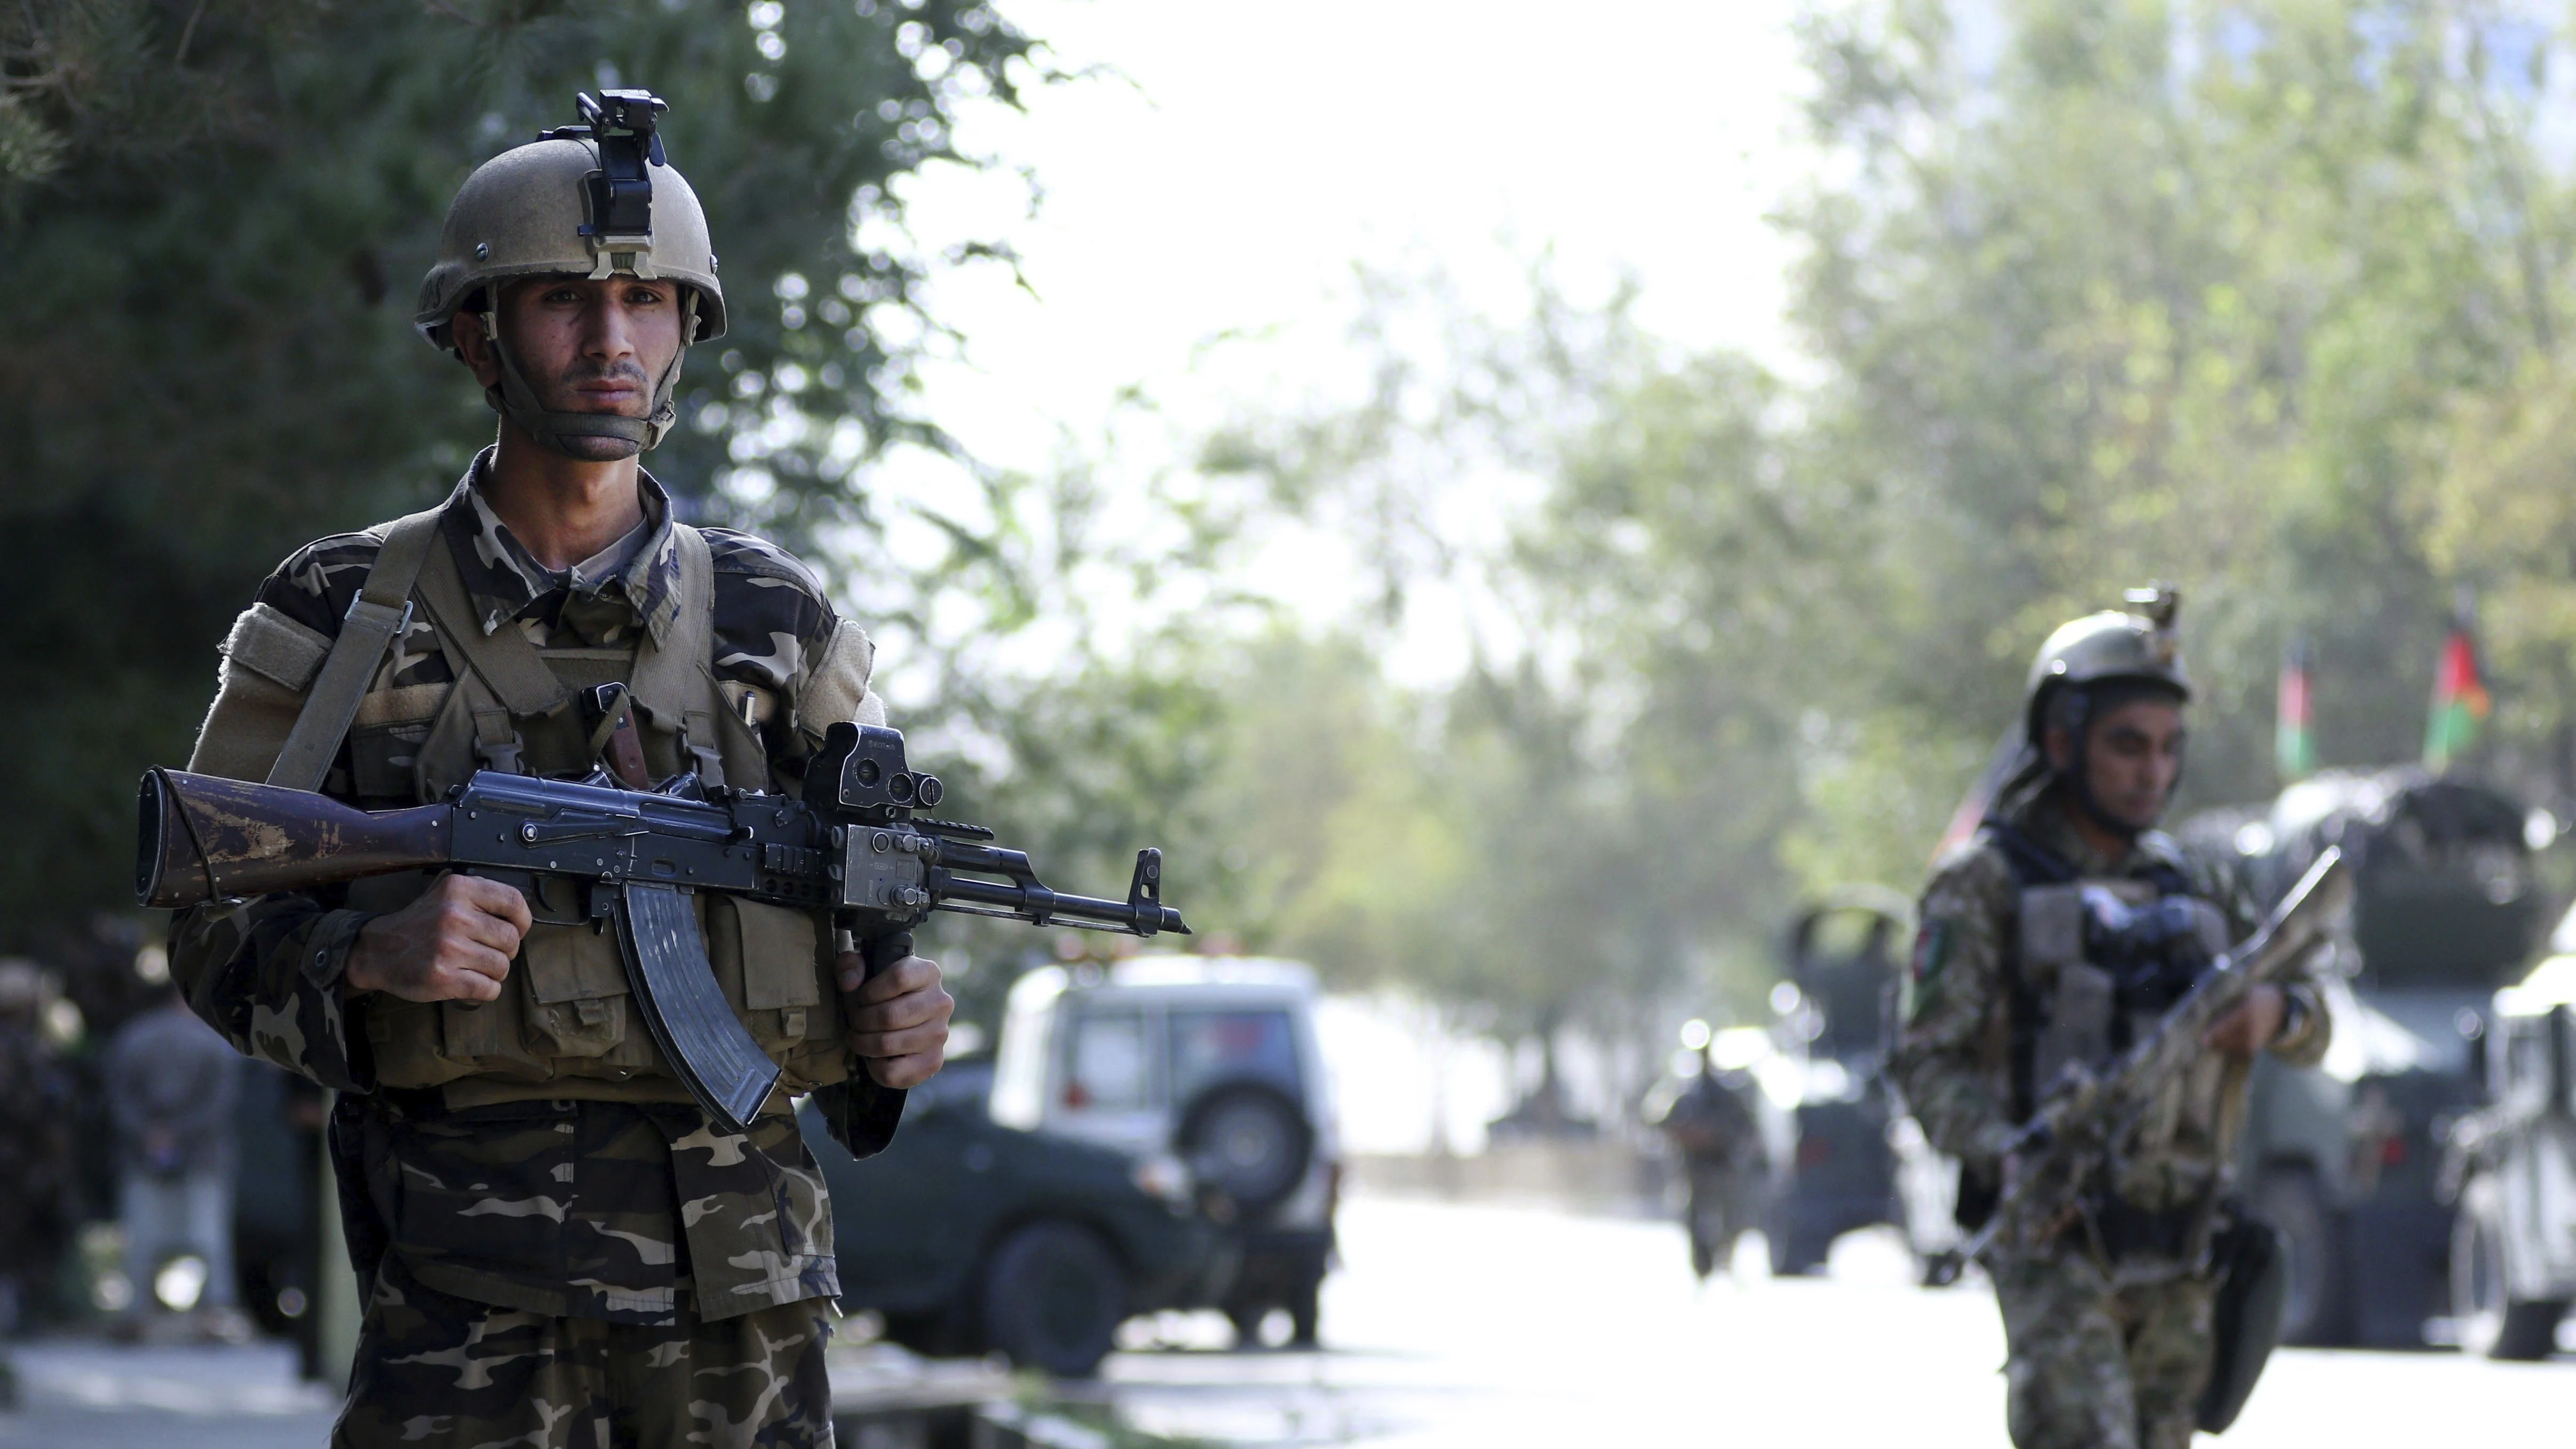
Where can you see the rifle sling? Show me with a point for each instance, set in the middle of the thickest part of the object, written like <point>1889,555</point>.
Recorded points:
<point>381,610</point>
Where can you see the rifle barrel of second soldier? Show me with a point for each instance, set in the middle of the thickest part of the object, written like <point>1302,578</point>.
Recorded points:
<point>203,837</point>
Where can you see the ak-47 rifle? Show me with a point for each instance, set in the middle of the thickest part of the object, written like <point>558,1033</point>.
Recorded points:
<point>2085,1118</point>
<point>628,860</point>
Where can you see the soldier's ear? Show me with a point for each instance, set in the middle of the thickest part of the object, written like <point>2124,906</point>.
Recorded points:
<point>474,346</point>
<point>2059,747</point>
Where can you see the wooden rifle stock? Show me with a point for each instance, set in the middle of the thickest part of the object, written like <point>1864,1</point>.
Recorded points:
<point>204,837</point>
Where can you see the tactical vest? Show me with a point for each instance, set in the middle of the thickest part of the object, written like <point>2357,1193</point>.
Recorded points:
<point>2081,989</point>
<point>564,1024</point>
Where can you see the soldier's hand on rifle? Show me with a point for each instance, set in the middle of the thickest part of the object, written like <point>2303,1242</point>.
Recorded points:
<point>453,944</point>
<point>2252,1026</point>
<point>898,1018</point>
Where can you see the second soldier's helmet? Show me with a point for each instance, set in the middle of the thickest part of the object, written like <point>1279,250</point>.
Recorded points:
<point>2107,648</point>
<point>594,200</point>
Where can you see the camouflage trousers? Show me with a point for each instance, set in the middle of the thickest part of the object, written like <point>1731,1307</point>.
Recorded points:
<point>2094,1367</point>
<point>440,1372</point>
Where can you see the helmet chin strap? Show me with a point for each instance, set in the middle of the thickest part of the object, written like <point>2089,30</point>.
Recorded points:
<point>514,399</point>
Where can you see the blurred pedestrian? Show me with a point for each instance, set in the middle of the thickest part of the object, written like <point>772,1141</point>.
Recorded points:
<point>35,1148</point>
<point>172,1084</point>
<point>1711,1123</point>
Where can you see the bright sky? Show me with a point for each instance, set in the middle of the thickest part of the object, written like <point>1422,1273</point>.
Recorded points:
<point>1245,158</point>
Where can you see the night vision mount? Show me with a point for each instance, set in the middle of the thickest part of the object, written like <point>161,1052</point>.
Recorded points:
<point>618,197</point>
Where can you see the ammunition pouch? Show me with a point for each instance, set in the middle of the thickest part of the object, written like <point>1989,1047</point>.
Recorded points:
<point>1979,1193</point>
<point>2128,1231</point>
<point>565,1019</point>
<point>2247,1256</point>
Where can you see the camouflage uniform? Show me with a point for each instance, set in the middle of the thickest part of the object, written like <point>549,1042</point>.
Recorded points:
<point>520,1250</point>
<point>2104,1354</point>
<point>438,1369</point>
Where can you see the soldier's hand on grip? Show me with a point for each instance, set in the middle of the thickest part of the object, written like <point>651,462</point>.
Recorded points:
<point>898,1018</point>
<point>453,944</point>
<point>2251,1026</point>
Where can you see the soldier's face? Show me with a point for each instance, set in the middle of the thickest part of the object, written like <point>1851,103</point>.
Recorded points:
<point>2132,757</point>
<point>585,347</point>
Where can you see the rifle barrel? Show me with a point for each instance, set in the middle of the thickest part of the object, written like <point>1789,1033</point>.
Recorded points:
<point>1046,907</point>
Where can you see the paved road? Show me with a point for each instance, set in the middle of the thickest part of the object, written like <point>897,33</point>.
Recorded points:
<point>98,1396</point>
<point>1482,1326</point>
<point>1486,1327</point>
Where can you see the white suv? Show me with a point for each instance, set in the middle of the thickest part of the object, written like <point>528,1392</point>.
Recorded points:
<point>1213,1059</point>
<point>2513,1245</point>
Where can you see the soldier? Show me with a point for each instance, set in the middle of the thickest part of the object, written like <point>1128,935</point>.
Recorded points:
<point>558,1248</point>
<point>1711,1124</point>
<point>2108,1321</point>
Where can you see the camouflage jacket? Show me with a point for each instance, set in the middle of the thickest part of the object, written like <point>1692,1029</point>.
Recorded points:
<point>581,1208</point>
<point>1952,1057</point>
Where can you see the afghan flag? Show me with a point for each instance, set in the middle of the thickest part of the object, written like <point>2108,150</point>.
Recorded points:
<point>2294,740</point>
<point>2460,700</point>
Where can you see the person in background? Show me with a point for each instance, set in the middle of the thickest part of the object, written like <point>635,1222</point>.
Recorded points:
<point>172,1085</point>
<point>1711,1123</point>
<point>35,1148</point>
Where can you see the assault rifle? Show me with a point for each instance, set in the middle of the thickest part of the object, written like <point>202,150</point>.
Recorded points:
<point>2085,1119</point>
<point>592,853</point>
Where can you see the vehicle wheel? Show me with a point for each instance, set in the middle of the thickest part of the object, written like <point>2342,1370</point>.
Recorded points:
<point>2314,1308</point>
<point>932,1335</point>
<point>1794,1258</point>
<point>1053,1299</point>
<point>2493,1322</point>
<point>1246,1318</point>
<point>1250,1142</point>
<point>1303,1313</point>
<point>2527,1332</point>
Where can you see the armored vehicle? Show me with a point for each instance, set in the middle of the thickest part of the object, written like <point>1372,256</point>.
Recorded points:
<point>1839,1173</point>
<point>2513,1169</point>
<point>970,1237</point>
<point>1215,1060</point>
<point>2346,1159</point>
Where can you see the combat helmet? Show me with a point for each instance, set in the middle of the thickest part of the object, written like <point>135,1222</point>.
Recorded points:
<point>594,200</point>
<point>2107,648</point>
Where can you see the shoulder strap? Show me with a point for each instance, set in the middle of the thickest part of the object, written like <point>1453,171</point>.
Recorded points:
<point>675,680</point>
<point>504,659</point>
<point>2032,863</point>
<point>381,611</point>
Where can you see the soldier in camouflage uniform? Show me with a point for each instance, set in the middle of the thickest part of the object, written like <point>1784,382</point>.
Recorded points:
<point>2109,1320</point>
<point>558,1247</point>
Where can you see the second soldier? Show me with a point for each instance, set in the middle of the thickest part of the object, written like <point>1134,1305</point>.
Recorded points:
<point>2109,1320</point>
